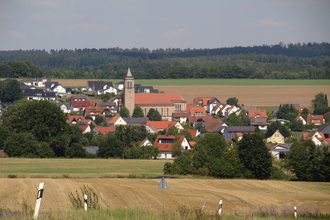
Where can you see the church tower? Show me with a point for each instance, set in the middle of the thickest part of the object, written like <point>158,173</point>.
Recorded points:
<point>129,92</point>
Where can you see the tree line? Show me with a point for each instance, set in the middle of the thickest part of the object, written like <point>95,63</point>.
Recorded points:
<point>26,69</point>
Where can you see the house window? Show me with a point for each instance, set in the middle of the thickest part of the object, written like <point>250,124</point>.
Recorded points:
<point>279,140</point>
<point>273,139</point>
<point>167,111</point>
<point>162,112</point>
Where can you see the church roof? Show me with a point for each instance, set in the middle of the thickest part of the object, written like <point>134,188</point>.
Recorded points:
<point>129,74</point>
<point>157,98</point>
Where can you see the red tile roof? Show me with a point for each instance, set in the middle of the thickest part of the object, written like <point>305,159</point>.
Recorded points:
<point>198,110</point>
<point>203,101</point>
<point>177,114</point>
<point>80,104</point>
<point>70,118</point>
<point>162,124</point>
<point>113,119</point>
<point>257,114</point>
<point>192,132</point>
<point>157,98</point>
<point>167,146</point>
<point>105,130</point>
<point>90,111</point>
<point>146,139</point>
<point>316,119</point>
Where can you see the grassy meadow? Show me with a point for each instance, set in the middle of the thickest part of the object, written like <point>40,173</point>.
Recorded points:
<point>79,168</point>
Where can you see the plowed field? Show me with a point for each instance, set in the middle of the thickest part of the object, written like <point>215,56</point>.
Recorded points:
<point>237,195</point>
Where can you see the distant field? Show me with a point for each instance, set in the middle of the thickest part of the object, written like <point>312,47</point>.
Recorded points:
<point>201,82</point>
<point>238,195</point>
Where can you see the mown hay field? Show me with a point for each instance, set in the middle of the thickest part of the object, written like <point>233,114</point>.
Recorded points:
<point>238,195</point>
<point>260,93</point>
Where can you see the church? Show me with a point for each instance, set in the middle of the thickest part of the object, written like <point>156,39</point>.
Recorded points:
<point>165,103</point>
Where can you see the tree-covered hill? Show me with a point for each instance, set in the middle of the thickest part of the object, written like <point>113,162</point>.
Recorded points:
<point>299,61</point>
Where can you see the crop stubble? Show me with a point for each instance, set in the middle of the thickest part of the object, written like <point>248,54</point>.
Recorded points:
<point>260,96</point>
<point>237,195</point>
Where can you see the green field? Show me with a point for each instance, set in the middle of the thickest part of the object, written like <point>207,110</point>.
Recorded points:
<point>227,82</point>
<point>83,168</point>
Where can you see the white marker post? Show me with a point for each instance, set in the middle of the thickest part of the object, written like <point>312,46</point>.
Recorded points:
<point>220,207</point>
<point>203,207</point>
<point>38,203</point>
<point>85,202</point>
<point>295,212</point>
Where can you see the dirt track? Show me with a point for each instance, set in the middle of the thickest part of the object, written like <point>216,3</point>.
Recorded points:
<point>237,195</point>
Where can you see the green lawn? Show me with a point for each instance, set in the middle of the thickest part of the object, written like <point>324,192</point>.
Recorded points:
<point>228,82</point>
<point>26,167</point>
<point>297,135</point>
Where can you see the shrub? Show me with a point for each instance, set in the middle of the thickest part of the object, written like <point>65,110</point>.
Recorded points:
<point>78,202</point>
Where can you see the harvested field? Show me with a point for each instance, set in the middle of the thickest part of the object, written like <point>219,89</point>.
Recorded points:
<point>261,96</point>
<point>237,195</point>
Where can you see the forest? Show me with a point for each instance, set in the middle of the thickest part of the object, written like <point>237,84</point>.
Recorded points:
<point>292,61</point>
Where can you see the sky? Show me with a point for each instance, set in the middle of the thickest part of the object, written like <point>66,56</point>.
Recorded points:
<point>70,24</point>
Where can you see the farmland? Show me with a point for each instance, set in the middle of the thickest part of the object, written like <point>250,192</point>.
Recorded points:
<point>238,195</point>
<point>261,93</point>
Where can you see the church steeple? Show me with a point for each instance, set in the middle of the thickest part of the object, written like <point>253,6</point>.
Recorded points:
<point>129,92</point>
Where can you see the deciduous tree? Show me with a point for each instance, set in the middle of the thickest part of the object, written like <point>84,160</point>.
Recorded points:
<point>138,112</point>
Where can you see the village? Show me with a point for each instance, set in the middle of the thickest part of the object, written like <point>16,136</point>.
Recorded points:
<point>204,115</point>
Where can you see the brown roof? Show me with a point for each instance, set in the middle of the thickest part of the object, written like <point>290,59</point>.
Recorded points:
<point>162,124</point>
<point>178,114</point>
<point>206,119</point>
<point>213,126</point>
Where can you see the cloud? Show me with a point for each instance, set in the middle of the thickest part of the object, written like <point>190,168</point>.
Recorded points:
<point>5,15</point>
<point>173,35</point>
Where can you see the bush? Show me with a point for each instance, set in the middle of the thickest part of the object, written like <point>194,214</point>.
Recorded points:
<point>277,174</point>
<point>167,168</point>
<point>78,202</point>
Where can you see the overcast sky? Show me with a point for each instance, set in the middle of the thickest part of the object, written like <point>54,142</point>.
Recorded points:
<point>70,24</point>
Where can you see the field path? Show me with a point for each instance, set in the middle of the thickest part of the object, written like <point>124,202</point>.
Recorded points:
<point>237,195</point>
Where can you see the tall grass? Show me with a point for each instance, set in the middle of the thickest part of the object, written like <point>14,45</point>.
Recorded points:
<point>181,214</point>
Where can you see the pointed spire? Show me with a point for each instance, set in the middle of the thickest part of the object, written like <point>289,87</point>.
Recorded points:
<point>129,74</point>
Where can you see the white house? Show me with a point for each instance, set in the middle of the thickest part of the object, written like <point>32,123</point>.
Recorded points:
<point>165,144</point>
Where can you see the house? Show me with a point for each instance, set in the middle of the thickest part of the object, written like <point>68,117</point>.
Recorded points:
<point>206,102</point>
<point>78,98</point>
<point>302,108</point>
<point>39,94</point>
<point>225,109</point>
<point>165,144</point>
<point>311,135</point>
<point>193,132</point>
<point>120,85</point>
<point>79,106</point>
<point>104,130</point>
<point>299,118</point>
<point>116,121</point>
<point>64,106</point>
<point>278,151</point>
<point>92,149</point>
<point>325,129</point>
<point>239,129</point>
<point>229,138</point>
<point>55,87</point>
<point>29,82</point>
<point>145,142</point>
<point>40,82</point>
<point>110,105</point>
<point>100,87</point>
<point>136,121</point>
<point>163,125</point>
<point>215,127</point>
<point>283,121</point>
<point>145,89</point>
<point>114,99</point>
<point>315,119</point>
<point>85,128</point>
<point>257,114</point>
<point>75,119</point>
<point>93,111</point>
<point>197,111</point>
<point>193,120</point>
<point>180,116</point>
<point>277,137</point>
